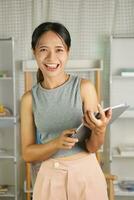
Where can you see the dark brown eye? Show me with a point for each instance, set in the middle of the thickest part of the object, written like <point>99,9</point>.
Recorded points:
<point>59,50</point>
<point>43,50</point>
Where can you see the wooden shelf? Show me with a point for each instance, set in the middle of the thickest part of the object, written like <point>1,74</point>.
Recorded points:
<point>72,65</point>
<point>82,69</point>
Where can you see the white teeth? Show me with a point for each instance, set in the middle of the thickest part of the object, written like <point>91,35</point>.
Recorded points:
<point>52,65</point>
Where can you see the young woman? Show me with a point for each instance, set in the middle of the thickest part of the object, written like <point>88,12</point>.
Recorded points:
<point>50,113</point>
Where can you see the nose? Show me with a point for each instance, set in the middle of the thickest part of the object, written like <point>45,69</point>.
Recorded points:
<point>51,56</point>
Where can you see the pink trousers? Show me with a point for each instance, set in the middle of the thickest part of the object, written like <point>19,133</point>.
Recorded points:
<point>80,179</point>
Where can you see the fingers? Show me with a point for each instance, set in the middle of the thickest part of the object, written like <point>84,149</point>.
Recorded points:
<point>109,114</point>
<point>100,110</point>
<point>68,145</point>
<point>67,142</point>
<point>69,132</point>
<point>90,120</point>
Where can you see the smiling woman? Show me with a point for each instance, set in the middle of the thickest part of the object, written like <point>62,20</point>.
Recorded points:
<point>51,45</point>
<point>51,55</point>
<point>50,113</point>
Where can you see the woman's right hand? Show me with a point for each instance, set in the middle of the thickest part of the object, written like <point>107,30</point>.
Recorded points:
<point>64,141</point>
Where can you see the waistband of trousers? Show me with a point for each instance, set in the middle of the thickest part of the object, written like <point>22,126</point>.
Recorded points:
<point>67,164</point>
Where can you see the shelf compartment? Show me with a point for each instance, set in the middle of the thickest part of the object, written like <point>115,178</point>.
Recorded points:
<point>121,192</point>
<point>8,154</point>
<point>116,154</point>
<point>6,48</point>
<point>9,193</point>
<point>7,121</point>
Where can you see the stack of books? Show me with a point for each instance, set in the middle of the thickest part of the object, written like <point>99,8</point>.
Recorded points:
<point>127,72</point>
<point>126,149</point>
<point>3,189</point>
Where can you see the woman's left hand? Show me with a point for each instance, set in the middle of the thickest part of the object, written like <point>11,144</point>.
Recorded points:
<point>98,126</point>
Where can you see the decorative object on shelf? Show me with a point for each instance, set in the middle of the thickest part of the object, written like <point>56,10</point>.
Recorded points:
<point>3,73</point>
<point>3,189</point>
<point>1,108</point>
<point>126,149</point>
<point>127,185</point>
<point>4,111</point>
<point>127,72</point>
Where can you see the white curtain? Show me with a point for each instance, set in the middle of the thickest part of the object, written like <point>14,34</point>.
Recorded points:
<point>88,22</point>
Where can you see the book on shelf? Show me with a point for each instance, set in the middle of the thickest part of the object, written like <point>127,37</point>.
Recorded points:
<point>127,72</point>
<point>126,149</point>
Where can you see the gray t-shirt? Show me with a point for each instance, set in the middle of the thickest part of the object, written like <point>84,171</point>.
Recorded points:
<point>56,110</point>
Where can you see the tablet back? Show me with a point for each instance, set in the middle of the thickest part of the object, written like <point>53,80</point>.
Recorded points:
<point>83,132</point>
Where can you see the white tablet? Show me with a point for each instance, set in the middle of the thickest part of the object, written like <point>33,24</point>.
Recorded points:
<point>116,111</point>
<point>83,132</point>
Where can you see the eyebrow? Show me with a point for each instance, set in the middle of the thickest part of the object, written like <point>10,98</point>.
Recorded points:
<point>60,47</point>
<point>42,46</point>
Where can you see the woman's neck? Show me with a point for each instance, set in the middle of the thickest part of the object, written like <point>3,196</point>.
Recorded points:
<point>53,82</point>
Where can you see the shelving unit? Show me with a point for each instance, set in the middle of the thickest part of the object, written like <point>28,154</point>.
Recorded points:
<point>121,131</point>
<point>9,125</point>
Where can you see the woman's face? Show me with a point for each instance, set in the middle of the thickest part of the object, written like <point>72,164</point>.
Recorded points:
<point>51,54</point>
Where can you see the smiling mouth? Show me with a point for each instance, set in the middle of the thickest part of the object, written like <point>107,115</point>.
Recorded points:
<point>51,67</point>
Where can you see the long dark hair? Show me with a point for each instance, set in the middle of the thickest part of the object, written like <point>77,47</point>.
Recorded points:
<point>59,29</point>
